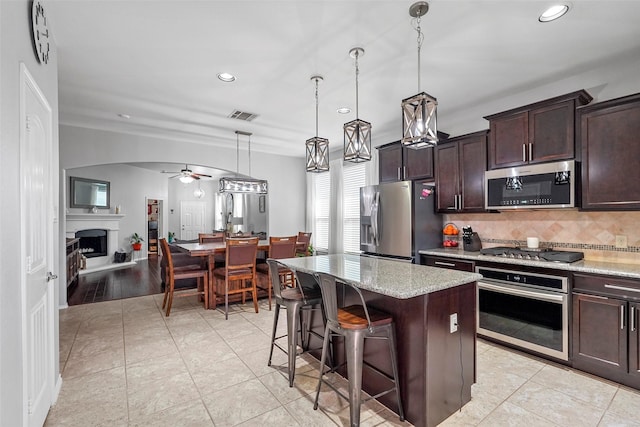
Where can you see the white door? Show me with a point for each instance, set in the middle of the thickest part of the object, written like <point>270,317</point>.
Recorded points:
<point>36,140</point>
<point>192,215</point>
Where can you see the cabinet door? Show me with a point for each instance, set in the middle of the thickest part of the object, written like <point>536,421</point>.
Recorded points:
<point>508,140</point>
<point>390,163</point>
<point>418,163</point>
<point>447,177</point>
<point>610,153</point>
<point>600,335</point>
<point>551,133</point>
<point>473,163</point>
<point>634,342</point>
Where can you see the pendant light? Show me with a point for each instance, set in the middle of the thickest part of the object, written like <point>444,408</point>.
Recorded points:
<point>198,193</point>
<point>419,115</point>
<point>317,148</point>
<point>357,133</point>
<point>243,185</point>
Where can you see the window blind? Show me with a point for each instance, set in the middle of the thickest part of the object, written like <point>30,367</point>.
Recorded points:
<point>353,177</point>
<point>322,183</point>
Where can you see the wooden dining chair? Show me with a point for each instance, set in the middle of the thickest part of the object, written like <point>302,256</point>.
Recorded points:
<point>211,237</point>
<point>304,239</point>
<point>239,272</point>
<point>177,273</point>
<point>279,248</point>
<point>215,237</point>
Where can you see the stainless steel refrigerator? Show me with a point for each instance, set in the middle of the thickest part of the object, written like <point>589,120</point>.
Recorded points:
<point>398,219</point>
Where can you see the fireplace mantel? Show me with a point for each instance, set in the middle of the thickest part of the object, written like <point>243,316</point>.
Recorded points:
<point>93,217</point>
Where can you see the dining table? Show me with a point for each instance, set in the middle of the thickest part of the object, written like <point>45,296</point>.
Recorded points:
<point>209,251</point>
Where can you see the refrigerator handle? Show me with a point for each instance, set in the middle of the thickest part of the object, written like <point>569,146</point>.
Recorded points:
<point>374,217</point>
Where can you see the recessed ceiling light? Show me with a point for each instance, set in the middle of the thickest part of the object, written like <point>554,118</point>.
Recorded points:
<point>553,13</point>
<point>226,77</point>
<point>124,116</point>
<point>344,110</point>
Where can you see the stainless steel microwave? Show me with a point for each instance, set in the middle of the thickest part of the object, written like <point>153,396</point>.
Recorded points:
<point>547,185</point>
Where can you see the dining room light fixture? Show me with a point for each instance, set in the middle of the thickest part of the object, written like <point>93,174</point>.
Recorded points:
<point>357,133</point>
<point>419,112</point>
<point>317,148</point>
<point>239,184</point>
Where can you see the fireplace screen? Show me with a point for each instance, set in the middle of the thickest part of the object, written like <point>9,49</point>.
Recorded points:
<point>93,243</point>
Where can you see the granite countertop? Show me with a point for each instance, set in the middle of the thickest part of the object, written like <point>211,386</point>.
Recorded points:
<point>396,279</point>
<point>583,266</point>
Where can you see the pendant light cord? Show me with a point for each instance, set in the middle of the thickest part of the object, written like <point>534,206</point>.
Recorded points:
<point>237,154</point>
<point>420,39</point>
<point>357,73</point>
<point>249,148</point>
<point>316,79</point>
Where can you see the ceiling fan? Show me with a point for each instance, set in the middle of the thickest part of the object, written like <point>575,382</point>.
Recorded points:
<point>186,175</point>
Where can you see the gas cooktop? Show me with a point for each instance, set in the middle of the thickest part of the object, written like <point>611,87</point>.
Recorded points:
<point>543,254</point>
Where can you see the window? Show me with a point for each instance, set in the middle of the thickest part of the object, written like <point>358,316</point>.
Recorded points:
<point>353,177</point>
<point>322,183</point>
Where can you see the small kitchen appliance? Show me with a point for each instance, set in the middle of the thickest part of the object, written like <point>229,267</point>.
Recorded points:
<point>470,239</point>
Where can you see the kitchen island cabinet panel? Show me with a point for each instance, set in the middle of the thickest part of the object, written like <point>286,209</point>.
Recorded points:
<point>610,136</point>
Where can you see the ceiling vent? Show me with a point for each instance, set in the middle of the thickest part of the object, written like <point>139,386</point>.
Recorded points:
<point>241,115</point>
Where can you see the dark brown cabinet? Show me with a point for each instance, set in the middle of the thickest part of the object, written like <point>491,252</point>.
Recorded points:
<point>398,163</point>
<point>460,166</point>
<point>610,137</point>
<point>536,133</point>
<point>605,328</point>
<point>444,262</point>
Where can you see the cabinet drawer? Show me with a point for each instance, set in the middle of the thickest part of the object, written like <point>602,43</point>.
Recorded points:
<point>450,263</point>
<point>609,286</point>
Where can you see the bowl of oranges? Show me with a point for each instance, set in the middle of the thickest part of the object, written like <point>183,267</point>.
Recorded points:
<point>450,232</point>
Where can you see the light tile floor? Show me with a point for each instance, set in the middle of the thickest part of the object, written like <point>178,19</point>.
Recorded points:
<point>124,364</point>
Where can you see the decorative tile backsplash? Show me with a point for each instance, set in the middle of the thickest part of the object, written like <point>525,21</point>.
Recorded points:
<point>593,233</point>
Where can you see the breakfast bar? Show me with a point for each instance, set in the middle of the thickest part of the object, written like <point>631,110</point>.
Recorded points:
<point>436,355</point>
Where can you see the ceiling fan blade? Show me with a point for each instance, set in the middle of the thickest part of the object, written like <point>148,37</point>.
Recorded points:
<point>195,176</point>
<point>175,176</point>
<point>168,172</point>
<point>201,174</point>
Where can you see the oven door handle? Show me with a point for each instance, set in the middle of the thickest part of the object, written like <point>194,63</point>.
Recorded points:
<point>506,289</point>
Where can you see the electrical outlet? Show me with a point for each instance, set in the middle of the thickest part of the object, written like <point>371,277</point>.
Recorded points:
<point>621,241</point>
<point>453,323</point>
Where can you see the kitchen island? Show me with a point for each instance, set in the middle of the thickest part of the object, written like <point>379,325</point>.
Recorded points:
<point>437,367</point>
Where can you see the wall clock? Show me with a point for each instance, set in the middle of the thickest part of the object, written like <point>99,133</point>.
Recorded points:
<point>40,32</point>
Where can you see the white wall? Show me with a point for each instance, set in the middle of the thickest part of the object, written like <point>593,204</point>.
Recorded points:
<point>16,47</point>
<point>184,192</point>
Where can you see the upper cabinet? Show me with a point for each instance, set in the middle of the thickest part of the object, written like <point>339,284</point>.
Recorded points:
<point>536,133</point>
<point>460,166</point>
<point>610,136</point>
<point>399,163</point>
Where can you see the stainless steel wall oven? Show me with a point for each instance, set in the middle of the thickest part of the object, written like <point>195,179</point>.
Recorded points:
<point>524,309</point>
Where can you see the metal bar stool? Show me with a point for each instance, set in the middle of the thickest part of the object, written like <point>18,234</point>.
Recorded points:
<point>355,323</point>
<point>296,301</point>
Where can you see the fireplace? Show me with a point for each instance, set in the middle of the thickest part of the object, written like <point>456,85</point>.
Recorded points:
<point>93,242</point>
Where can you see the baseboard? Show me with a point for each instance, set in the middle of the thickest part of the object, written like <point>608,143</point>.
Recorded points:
<point>56,390</point>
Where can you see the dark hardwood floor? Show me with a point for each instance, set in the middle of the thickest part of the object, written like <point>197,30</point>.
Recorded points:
<point>141,279</point>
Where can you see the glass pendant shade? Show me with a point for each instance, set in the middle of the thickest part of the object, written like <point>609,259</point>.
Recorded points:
<point>419,121</point>
<point>186,179</point>
<point>357,141</point>
<point>317,154</point>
